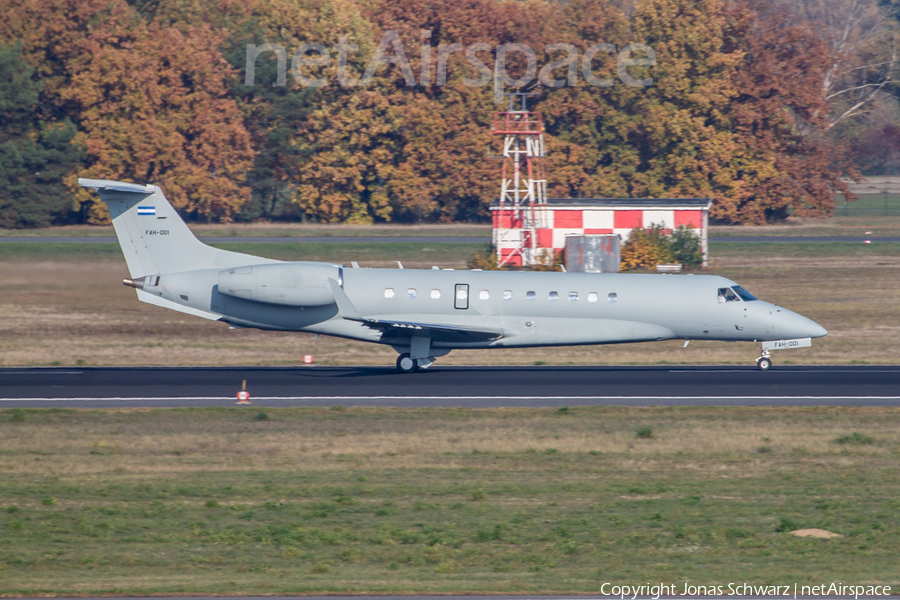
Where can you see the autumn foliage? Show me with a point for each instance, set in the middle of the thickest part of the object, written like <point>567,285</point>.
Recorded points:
<point>654,245</point>
<point>154,91</point>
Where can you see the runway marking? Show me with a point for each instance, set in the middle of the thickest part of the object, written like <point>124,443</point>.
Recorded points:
<point>783,369</point>
<point>161,399</point>
<point>41,373</point>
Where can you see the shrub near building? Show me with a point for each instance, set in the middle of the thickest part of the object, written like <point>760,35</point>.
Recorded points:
<point>652,246</point>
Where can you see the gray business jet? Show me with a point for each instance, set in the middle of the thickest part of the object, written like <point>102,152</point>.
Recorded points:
<point>424,314</point>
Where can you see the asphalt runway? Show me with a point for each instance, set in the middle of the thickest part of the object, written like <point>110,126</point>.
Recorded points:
<point>476,387</point>
<point>762,239</point>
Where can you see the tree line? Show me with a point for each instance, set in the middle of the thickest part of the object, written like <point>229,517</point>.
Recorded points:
<point>757,104</point>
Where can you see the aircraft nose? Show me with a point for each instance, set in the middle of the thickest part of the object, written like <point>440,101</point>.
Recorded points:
<point>801,327</point>
<point>816,330</point>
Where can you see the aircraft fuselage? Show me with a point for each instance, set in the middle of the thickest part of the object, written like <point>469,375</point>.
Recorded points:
<point>530,308</point>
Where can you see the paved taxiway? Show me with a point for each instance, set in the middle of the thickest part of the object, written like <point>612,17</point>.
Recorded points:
<point>452,386</point>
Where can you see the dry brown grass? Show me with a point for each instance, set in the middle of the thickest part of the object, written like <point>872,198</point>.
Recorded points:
<point>137,443</point>
<point>77,312</point>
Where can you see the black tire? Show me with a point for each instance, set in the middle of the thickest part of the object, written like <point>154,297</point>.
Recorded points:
<point>406,365</point>
<point>764,364</point>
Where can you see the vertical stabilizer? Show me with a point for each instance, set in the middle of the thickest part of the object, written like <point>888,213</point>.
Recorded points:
<point>153,236</point>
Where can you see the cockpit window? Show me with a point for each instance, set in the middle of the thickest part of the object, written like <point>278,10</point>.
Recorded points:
<point>744,294</point>
<point>727,295</point>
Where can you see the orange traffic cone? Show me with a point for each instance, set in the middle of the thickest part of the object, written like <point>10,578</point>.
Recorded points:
<point>243,396</point>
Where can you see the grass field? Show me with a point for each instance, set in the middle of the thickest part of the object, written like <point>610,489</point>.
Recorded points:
<point>277,230</point>
<point>869,205</point>
<point>867,214</point>
<point>231,501</point>
<point>63,304</point>
<point>382,254</point>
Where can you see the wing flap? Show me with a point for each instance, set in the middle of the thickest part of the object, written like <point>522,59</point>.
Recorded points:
<point>438,332</point>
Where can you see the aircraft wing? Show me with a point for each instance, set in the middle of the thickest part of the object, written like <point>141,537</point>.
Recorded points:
<point>438,332</point>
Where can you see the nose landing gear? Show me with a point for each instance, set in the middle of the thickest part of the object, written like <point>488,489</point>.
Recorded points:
<point>764,363</point>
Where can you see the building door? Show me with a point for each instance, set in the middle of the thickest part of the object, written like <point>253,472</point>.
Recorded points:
<point>461,298</point>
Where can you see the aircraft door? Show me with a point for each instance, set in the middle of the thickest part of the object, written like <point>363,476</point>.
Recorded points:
<point>461,297</point>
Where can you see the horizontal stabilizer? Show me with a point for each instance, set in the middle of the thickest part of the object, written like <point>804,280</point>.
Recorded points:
<point>115,186</point>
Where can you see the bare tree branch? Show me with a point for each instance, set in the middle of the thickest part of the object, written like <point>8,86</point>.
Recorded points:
<point>864,54</point>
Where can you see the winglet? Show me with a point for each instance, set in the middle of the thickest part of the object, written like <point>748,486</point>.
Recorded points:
<point>345,307</point>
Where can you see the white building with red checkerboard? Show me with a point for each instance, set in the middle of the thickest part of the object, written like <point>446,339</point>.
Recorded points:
<point>562,217</point>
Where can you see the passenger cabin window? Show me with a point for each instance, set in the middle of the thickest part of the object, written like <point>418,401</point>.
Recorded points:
<point>612,297</point>
<point>573,296</point>
<point>744,294</point>
<point>411,293</point>
<point>388,292</point>
<point>435,294</point>
<point>592,297</point>
<point>529,295</point>
<point>507,295</point>
<point>554,296</point>
<point>484,295</point>
<point>727,295</point>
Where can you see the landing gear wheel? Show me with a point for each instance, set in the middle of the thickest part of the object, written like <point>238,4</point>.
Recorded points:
<point>764,363</point>
<point>405,364</point>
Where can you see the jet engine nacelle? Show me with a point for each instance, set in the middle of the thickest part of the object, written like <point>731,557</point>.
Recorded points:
<point>291,284</point>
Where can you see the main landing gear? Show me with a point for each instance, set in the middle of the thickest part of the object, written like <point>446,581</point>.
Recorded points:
<point>418,354</point>
<point>405,364</point>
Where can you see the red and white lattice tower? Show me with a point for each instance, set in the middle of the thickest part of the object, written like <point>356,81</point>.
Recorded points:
<point>523,188</point>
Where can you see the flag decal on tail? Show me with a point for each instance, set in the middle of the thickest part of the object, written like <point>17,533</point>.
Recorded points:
<point>146,210</point>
